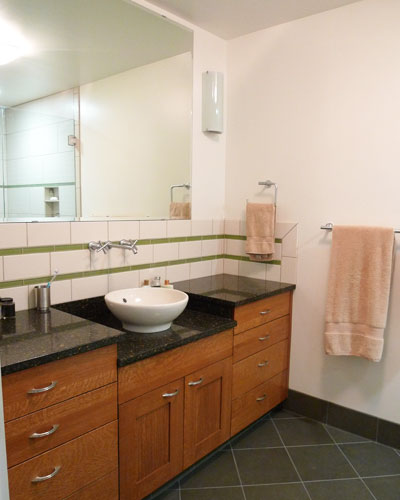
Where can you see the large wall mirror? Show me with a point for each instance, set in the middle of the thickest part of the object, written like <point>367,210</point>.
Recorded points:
<point>95,112</point>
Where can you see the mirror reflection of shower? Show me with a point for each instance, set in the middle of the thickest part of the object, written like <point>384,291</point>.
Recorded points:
<point>39,161</point>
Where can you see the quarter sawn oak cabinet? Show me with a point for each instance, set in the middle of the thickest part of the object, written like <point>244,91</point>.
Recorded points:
<point>78,430</point>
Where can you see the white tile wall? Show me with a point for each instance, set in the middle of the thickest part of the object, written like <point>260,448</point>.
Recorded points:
<point>166,251</point>
<point>70,262</point>
<point>153,229</point>
<point>179,228</point>
<point>60,291</point>
<point>20,296</point>
<point>13,235</point>
<point>144,256</point>
<point>202,227</point>
<point>26,266</point>
<point>289,270</point>
<point>273,272</point>
<point>231,267</point>
<point>235,247</point>
<point>252,269</point>
<point>84,288</point>
<point>218,226</point>
<point>200,269</point>
<point>49,233</point>
<point>289,244</point>
<point>83,232</point>
<point>180,272</point>
<point>123,230</point>
<point>119,281</point>
<point>217,266</point>
<point>189,249</point>
<point>232,226</point>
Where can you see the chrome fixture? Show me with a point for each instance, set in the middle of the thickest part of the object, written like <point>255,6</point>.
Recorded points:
<point>187,186</point>
<point>329,226</point>
<point>269,184</point>
<point>156,281</point>
<point>98,246</point>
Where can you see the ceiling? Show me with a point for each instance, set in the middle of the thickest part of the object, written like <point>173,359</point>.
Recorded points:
<point>231,18</point>
<point>76,42</point>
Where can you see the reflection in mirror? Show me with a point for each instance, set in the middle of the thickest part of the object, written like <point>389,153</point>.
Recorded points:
<point>95,112</point>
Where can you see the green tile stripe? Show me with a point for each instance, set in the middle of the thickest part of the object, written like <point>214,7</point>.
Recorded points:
<point>154,241</point>
<point>100,272</point>
<point>54,184</point>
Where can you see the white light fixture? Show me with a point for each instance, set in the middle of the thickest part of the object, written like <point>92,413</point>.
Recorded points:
<point>13,44</point>
<point>213,102</point>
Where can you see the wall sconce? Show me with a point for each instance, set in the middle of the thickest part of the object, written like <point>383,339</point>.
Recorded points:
<point>213,102</point>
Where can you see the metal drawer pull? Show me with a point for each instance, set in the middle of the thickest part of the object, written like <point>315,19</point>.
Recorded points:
<point>43,389</point>
<point>264,338</point>
<point>261,398</point>
<point>170,394</point>
<point>265,363</point>
<point>198,382</point>
<point>39,479</point>
<point>36,435</point>
<point>267,311</point>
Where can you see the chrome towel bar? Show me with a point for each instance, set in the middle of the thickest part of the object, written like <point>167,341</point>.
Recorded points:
<point>329,226</point>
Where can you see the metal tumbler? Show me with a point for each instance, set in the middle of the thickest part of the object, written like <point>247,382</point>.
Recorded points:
<point>42,298</point>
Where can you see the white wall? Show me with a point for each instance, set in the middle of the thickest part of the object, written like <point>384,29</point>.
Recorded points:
<point>136,130</point>
<point>314,105</point>
<point>208,150</point>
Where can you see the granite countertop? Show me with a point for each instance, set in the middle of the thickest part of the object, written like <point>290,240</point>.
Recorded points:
<point>34,338</point>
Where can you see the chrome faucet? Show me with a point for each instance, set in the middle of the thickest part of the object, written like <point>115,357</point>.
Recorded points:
<point>98,246</point>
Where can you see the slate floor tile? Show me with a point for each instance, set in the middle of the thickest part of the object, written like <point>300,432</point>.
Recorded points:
<point>213,494</point>
<point>166,495</point>
<point>302,431</point>
<point>261,435</point>
<point>281,413</point>
<point>276,492</point>
<point>321,462</point>
<point>265,466</point>
<point>219,470</point>
<point>372,459</point>
<point>341,436</point>
<point>384,488</point>
<point>348,489</point>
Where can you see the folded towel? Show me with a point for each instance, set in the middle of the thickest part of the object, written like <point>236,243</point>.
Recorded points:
<point>260,230</point>
<point>358,291</point>
<point>179,210</point>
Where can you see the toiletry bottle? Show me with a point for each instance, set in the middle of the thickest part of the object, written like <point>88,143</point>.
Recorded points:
<point>7,307</point>
<point>146,284</point>
<point>167,284</point>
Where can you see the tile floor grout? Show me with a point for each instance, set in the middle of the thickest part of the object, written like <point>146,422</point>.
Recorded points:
<point>290,458</point>
<point>238,472</point>
<point>352,466</point>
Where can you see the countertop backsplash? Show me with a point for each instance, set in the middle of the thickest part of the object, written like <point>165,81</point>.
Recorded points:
<point>176,250</point>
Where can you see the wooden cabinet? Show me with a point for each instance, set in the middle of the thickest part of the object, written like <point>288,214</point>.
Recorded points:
<point>260,358</point>
<point>151,440</point>
<point>61,426</point>
<point>168,428</point>
<point>207,410</point>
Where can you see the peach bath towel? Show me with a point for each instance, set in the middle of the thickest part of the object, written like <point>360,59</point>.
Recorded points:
<point>179,210</point>
<point>260,230</point>
<point>358,291</point>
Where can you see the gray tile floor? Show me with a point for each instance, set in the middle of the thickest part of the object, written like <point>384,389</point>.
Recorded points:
<point>285,456</point>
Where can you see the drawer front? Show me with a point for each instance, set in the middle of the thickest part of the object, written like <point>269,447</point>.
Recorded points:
<point>259,367</point>
<point>64,421</point>
<point>258,401</point>
<point>65,378</point>
<point>105,488</point>
<point>80,462</point>
<point>262,311</point>
<point>144,376</point>
<point>259,338</point>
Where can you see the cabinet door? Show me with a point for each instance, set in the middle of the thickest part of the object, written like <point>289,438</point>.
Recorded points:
<point>150,440</point>
<point>207,410</point>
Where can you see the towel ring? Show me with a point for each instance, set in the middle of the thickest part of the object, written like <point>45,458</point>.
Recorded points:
<point>187,186</point>
<point>269,184</point>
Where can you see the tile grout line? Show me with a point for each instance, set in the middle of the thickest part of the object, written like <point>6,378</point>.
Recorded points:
<point>303,445</point>
<point>237,471</point>
<point>290,458</point>
<point>352,466</point>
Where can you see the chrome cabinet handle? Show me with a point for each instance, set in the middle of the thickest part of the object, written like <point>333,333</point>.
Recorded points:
<point>43,389</point>
<point>267,311</point>
<point>170,394</point>
<point>265,363</point>
<point>264,338</point>
<point>197,382</point>
<point>261,398</point>
<point>39,479</point>
<point>36,435</point>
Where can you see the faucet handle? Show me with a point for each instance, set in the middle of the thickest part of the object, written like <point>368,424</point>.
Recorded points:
<point>104,247</point>
<point>130,244</point>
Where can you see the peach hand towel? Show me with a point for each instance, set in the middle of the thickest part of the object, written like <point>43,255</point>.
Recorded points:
<point>260,230</point>
<point>358,291</point>
<point>179,210</point>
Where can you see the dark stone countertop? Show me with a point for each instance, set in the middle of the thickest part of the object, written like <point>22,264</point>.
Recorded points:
<point>220,294</point>
<point>33,338</point>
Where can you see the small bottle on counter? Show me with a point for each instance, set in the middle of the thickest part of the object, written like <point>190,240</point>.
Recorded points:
<point>146,283</point>
<point>167,284</point>
<point>7,307</point>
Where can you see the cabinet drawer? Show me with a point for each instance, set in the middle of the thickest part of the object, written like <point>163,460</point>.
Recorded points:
<point>144,376</point>
<point>261,311</point>
<point>259,367</point>
<point>80,462</point>
<point>105,488</point>
<point>70,418</point>
<point>258,401</point>
<point>259,338</point>
<point>65,378</point>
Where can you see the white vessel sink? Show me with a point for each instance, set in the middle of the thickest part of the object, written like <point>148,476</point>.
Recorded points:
<point>148,309</point>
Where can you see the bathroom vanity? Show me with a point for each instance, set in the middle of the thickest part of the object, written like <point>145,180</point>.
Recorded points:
<point>81,397</point>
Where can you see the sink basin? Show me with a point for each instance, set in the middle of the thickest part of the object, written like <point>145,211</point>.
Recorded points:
<point>146,310</point>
